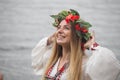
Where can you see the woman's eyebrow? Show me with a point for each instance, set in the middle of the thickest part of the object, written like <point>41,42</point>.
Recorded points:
<point>66,25</point>
<point>59,26</point>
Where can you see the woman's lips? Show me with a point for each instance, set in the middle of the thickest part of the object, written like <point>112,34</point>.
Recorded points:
<point>60,37</point>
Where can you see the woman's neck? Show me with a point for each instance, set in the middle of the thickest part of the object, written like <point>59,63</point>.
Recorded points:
<point>65,53</point>
<point>65,57</point>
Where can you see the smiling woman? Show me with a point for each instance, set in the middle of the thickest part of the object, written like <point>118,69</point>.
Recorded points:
<point>63,33</point>
<point>62,56</point>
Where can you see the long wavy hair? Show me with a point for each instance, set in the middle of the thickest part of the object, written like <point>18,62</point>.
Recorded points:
<point>75,60</point>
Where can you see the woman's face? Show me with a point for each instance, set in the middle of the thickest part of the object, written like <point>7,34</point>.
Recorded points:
<point>63,34</point>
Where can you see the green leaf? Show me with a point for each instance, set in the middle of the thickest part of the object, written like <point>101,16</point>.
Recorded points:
<point>64,13</point>
<point>54,16</point>
<point>61,17</point>
<point>87,36</point>
<point>74,12</point>
<point>80,21</point>
<point>86,24</point>
<point>78,33</point>
<point>55,24</point>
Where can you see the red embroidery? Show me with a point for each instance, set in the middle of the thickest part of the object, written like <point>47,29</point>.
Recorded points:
<point>94,45</point>
<point>58,74</point>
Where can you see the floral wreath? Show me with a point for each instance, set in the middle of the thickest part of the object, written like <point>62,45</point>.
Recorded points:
<point>81,26</point>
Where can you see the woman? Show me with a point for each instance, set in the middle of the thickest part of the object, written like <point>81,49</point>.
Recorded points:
<point>68,60</point>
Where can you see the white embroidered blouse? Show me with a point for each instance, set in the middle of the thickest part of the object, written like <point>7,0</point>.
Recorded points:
<point>101,65</point>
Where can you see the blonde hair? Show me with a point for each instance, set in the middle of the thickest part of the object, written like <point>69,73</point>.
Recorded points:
<point>75,63</point>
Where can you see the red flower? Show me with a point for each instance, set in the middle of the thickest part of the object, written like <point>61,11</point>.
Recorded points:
<point>84,30</point>
<point>77,27</point>
<point>71,17</point>
<point>68,18</point>
<point>82,46</point>
<point>74,17</point>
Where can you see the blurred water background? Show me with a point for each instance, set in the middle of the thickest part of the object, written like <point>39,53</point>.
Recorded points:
<point>24,22</point>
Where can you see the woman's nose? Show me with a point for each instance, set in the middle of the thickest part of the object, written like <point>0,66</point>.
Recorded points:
<point>60,30</point>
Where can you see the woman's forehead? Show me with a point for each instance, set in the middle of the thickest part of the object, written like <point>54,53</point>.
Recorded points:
<point>63,22</point>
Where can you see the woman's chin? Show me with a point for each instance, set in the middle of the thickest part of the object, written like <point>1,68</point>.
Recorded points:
<point>60,42</point>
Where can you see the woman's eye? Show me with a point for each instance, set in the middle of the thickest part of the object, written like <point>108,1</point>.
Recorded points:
<point>58,27</point>
<point>67,27</point>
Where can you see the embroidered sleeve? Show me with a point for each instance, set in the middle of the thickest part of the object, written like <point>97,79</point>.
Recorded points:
<point>103,65</point>
<point>40,55</point>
